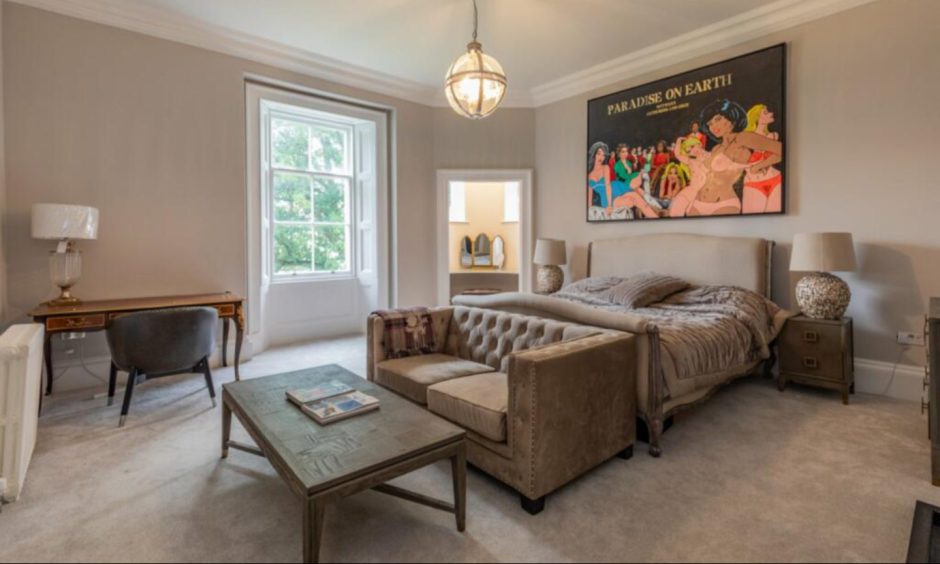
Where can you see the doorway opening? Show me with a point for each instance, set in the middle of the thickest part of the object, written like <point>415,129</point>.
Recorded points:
<point>484,232</point>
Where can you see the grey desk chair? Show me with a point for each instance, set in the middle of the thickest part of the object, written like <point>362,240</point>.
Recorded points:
<point>162,342</point>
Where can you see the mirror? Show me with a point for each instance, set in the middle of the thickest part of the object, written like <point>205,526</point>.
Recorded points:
<point>466,252</point>
<point>499,252</point>
<point>482,252</point>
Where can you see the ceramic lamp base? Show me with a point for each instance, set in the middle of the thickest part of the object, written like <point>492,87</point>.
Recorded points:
<point>821,295</point>
<point>548,279</point>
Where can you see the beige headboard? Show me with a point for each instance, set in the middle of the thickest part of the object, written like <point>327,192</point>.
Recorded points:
<point>700,259</point>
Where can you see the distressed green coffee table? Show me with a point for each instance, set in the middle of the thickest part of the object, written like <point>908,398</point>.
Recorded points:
<point>322,464</point>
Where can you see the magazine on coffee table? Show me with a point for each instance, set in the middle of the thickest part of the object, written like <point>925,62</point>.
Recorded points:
<point>329,389</point>
<point>340,407</point>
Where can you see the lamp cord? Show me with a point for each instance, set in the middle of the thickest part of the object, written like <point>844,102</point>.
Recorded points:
<point>475,20</point>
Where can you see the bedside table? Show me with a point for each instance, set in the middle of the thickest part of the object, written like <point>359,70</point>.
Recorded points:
<point>818,352</point>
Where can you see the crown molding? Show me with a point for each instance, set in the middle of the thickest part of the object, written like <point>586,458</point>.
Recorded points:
<point>163,24</point>
<point>746,26</point>
<point>136,17</point>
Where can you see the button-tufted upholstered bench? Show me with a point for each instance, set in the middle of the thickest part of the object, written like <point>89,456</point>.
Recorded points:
<point>543,401</point>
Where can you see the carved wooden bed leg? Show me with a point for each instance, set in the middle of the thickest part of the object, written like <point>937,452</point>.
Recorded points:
<point>656,391</point>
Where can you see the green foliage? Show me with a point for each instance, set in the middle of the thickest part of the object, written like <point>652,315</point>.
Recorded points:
<point>303,200</point>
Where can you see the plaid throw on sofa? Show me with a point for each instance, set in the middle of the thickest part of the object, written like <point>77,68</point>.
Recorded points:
<point>408,332</point>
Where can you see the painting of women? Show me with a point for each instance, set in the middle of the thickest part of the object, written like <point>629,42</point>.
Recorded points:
<point>609,194</point>
<point>708,142</point>
<point>763,190</point>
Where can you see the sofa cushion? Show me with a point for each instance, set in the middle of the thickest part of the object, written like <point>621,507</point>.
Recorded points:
<point>478,403</point>
<point>412,375</point>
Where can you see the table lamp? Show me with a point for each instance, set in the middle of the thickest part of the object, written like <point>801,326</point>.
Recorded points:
<point>64,223</point>
<point>820,294</point>
<point>550,254</point>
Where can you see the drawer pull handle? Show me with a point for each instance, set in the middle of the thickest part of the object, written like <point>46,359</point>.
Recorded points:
<point>926,383</point>
<point>811,336</point>
<point>924,406</point>
<point>810,362</point>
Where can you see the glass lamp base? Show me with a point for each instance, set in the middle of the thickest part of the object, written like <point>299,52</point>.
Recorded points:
<point>64,299</point>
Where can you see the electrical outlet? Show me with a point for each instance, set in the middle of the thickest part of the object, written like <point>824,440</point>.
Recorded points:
<point>910,339</point>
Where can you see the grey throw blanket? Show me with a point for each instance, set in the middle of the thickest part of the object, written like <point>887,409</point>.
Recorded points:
<point>707,332</point>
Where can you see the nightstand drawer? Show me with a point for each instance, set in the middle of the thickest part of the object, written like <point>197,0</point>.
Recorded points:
<point>814,349</point>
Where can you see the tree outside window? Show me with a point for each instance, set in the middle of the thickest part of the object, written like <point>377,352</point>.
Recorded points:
<point>311,182</point>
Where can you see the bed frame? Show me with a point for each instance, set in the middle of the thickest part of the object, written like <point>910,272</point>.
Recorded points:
<point>700,259</point>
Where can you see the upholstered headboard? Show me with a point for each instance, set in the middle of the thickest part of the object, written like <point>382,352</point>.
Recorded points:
<point>700,259</point>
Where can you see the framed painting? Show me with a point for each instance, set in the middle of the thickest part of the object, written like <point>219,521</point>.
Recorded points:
<point>705,143</point>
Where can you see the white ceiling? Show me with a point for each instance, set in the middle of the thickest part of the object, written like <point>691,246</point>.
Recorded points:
<point>536,41</point>
<point>549,48</point>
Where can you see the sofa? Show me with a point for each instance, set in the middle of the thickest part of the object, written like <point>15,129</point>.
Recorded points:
<point>542,401</point>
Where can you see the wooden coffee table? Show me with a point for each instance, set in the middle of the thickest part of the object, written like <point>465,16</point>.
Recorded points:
<point>324,463</point>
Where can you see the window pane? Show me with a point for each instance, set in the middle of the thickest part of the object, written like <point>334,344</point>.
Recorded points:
<point>511,202</point>
<point>293,249</point>
<point>329,150</point>
<point>458,201</point>
<point>330,200</point>
<point>290,142</point>
<point>330,245</point>
<point>292,197</point>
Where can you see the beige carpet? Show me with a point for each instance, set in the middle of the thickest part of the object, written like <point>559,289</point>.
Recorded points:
<point>754,475</point>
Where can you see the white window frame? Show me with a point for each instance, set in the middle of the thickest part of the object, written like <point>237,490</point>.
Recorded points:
<point>276,110</point>
<point>376,266</point>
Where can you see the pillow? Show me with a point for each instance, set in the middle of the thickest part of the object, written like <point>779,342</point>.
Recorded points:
<point>644,289</point>
<point>594,285</point>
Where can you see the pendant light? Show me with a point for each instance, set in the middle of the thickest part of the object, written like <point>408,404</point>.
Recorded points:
<point>475,83</point>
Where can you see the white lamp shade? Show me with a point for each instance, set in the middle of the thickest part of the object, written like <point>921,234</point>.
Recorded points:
<point>60,221</point>
<point>550,252</point>
<point>823,252</point>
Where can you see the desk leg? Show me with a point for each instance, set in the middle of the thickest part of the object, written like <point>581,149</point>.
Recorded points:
<point>47,356</point>
<point>225,321</point>
<point>239,337</point>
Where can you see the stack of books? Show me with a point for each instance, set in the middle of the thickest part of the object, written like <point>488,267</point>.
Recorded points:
<point>332,401</point>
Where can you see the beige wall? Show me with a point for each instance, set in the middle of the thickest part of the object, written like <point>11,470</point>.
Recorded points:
<point>485,209</point>
<point>863,120</point>
<point>153,133</point>
<point>503,140</point>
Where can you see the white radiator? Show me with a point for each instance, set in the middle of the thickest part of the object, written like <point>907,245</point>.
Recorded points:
<point>20,383</point>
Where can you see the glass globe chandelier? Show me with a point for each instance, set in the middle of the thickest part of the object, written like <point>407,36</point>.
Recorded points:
<point>475,83</point>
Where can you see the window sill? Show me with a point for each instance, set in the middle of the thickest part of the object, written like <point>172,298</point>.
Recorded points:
<point>308,278</point>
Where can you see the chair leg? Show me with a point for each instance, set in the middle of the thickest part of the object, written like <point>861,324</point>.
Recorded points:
<point>128,393</point>
<point>112,384</point>
<point>209,384</point>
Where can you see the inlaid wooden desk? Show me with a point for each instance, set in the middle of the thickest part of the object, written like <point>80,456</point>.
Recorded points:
<point>97,315</point>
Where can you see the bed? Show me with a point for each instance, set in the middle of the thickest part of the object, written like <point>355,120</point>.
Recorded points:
<point>735,268</point>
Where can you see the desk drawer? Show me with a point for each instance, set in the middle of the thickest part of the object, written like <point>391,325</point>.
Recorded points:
<point>76,322</point>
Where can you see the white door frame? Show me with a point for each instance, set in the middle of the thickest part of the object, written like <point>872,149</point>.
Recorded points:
<point>526,227</point>
<point>257,89</point>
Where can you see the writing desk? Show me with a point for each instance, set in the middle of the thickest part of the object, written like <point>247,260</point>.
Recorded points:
<point>97,315</point>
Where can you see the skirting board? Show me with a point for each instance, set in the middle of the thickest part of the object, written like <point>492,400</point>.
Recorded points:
<point>900,381</point>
